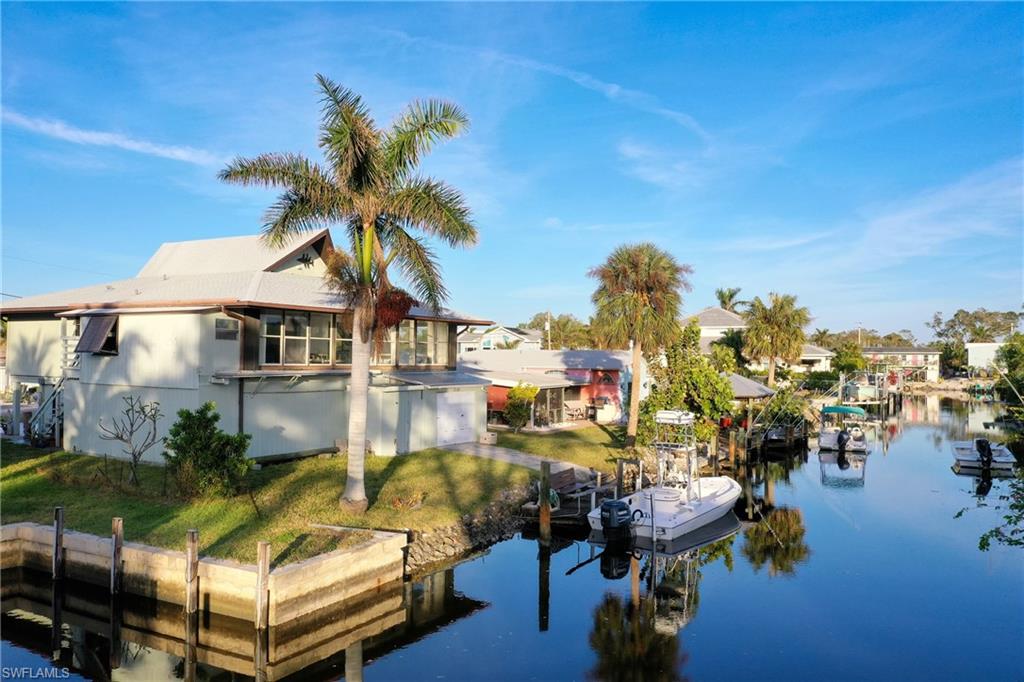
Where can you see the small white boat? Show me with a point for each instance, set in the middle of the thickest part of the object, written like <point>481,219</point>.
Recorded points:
<point>840,436</point>
<point>673,514</point>
<point>972,454</point>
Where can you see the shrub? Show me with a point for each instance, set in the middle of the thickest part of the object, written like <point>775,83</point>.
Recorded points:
<point>821,381</point>
<point>520,402</point>
<point>202,459</point>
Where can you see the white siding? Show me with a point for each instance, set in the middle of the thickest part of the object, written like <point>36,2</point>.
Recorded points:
<point>154,350</point>
<point>34,348</point>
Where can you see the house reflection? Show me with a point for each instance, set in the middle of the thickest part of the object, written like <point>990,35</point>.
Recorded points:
<point>145,639</point>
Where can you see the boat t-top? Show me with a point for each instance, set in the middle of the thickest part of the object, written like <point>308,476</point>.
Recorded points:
<point>682,500</point>
<point>836,434</point>
<point>981,453</point>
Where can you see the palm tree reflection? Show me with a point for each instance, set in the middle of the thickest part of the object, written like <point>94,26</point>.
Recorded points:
<point>778,541</point>
<point>628,645</point>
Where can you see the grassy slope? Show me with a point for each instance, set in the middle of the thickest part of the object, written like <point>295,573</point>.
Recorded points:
<point>595,446</point>
<point>289,497</point>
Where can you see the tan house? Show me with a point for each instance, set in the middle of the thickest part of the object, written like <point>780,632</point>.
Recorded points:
<point>254,330</point>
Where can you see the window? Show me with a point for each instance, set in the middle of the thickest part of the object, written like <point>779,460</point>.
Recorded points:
<point>226,329</point>
<point>440,343</point>
<point>407,342</point>
<point>384,348</point>
<point>424,342</point>
<point>486,344</point>
<point>270,338</point>
<point>100,336</point>
<point>296,329</point>
<point>343,339</point>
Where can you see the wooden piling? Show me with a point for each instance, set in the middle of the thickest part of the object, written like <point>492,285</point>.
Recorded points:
<point>114,635</point>
<point>544,587</point>
<point>192,571</point>
<point>262,618</point>
<point>58,543</point>
<point>619,473</point>
<point>789,437</point>
<point>732,449</point>
<point>593,493</point>
<point>544,502</point>
<point>191,645</point>
<point>116,542</point>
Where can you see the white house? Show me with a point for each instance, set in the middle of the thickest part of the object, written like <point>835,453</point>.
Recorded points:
<point>716,322</point>
<point>500,337</point>
<point>915,362</point>
<point>982,355</point>
<point>254,330</point>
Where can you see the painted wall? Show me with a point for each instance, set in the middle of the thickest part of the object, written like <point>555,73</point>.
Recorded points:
<point>154,351</point>
<point>34,348</point>
<point>981,355</point>
<point>306,262</point>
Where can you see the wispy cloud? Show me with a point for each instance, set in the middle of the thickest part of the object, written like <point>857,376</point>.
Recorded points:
<point>553,290</point>
<point>769,243</point>
<point>635,99</point>
<point>64,131</point>
<point>559,225</point>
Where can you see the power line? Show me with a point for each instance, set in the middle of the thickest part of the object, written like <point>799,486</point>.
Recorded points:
<point>9,295</point>
<point>61,267</point>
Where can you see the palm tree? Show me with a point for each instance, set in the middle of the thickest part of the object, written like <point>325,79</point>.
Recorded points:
<point>369,185</point>
<point>820,336</point>
<point>727,299</point>
<point>638,300</point>
<point>775,331</point>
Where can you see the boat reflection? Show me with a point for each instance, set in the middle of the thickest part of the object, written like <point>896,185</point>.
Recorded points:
<point>842,470</point>
<point>77,626</point>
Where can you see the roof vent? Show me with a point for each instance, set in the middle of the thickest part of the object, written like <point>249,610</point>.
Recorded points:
<point>110,287</point>
<point>138,292</point>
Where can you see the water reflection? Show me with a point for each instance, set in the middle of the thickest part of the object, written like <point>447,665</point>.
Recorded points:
<point>842,470</point>
<point>76,626</point>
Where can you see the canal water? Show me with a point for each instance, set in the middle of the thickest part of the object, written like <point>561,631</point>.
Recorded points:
<point>855,569</point>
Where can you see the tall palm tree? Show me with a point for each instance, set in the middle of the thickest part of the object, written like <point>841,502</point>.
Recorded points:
<point>728,299</point>
<point>775,331</point>
<point>820,336</point>
<point>369,185</point>
<point>638,300</point>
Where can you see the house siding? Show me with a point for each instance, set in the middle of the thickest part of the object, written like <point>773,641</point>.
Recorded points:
<point>34,348</point>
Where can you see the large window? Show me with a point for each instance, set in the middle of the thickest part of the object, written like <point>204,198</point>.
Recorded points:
<point>299,338</point>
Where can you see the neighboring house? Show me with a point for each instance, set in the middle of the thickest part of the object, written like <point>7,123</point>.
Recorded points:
<point>595,382</point>
<point>916,363</point>
<point>499,337</point>
<point>254,330</point>
<point>982,355</point>
<point>717,322</point>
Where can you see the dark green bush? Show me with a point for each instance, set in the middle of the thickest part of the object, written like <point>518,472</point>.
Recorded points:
<point>821,381</point>
<point>202,459</point>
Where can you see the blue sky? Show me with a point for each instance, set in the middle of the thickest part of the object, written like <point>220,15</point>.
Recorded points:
<point>865,157</point>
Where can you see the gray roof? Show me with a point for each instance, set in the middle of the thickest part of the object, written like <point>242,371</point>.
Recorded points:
<point>270,289</point>
<point>810,350</point>
<point>509,379</point>
<point>526,334</point>
<point>899,349</point>
<point>718,317</point>
<point>747,389</point>
<point>519,360</point>
<point>209,256</point>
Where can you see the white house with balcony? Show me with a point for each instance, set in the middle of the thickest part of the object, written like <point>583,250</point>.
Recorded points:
<point>253,329</point>
<point>500,337</point>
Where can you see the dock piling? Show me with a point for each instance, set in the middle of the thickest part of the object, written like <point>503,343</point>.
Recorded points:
<point>116,542</point>
<point>618,479</point>
<point>192,571</point>
<point>544,502</point>
<point>262,585</point>
<point>58,543</point>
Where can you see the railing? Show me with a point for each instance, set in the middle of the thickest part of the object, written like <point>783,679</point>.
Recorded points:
<point>49,416</point>
<point>69,359</point>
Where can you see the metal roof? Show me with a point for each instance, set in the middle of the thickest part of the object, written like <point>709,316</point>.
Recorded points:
<point>527,359</point>
<point>208,256</point>
<point>257,289</point>
<point>810,350</point>
<point>718,317</point>
<point>509,379</point>
<point>748,389</point>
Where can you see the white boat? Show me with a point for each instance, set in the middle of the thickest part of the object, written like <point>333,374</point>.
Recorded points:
<point>840,436</point>
<point>968,455</point>
<point>682,501</point>
<point>673,514</point>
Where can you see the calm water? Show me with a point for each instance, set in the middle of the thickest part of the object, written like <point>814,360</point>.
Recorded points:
<point>835,573</point>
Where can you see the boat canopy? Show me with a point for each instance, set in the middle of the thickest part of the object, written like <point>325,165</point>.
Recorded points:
<point>844,409</point>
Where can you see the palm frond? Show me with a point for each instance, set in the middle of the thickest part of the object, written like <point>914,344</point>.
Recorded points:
<point>417,130</point>
<point>342,276</point>
<point>348,136</point>
<point>434,208</point>
<point>419,266</point>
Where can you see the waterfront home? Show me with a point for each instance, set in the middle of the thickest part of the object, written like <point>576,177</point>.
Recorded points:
<point>574,384</point>
<point>716,322</point>
<point>981,356</point>
<point>253,329</point>
<point>500,337</point>
<point>914,362</point>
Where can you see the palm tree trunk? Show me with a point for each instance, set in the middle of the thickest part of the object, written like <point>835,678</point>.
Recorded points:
<point>771,372</point>
<point>354,497</point>
<point>634,396</point>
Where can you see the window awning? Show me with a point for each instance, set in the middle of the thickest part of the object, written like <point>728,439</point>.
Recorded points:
<point>95,333</point>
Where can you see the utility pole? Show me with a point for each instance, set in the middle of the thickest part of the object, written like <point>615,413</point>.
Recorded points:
<point>859,325</point>
<point>547,328</point>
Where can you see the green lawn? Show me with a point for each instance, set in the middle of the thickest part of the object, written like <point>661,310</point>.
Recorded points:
<point>596,446</point>
<point>423,490</point>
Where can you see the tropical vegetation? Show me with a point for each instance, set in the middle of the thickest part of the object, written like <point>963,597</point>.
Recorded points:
<point>775,330</point>
<point>519,404</point>
<point>638,299</point>
<point>566,331</point>
<point>201,458</point>
<point>370,187</point>
<point>728,299</point>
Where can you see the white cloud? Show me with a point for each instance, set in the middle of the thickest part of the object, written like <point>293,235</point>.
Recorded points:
<point>767,243</point>
<point>64,131</point>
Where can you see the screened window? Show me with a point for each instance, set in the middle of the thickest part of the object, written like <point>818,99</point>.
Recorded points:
<point>226,329</point>
<point>384,348</point>
<point>407,342</point>
<point>343,339</point>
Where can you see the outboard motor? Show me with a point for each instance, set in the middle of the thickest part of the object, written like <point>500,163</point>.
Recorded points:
<point>615,518</point>
<point>615,565</point>
<point>843,439</point>
<point>842,461</point>
<point>984,448</point>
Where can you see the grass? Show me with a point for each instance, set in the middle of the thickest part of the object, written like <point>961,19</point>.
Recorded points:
<point>423,490</point>
<point>596,446</point>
